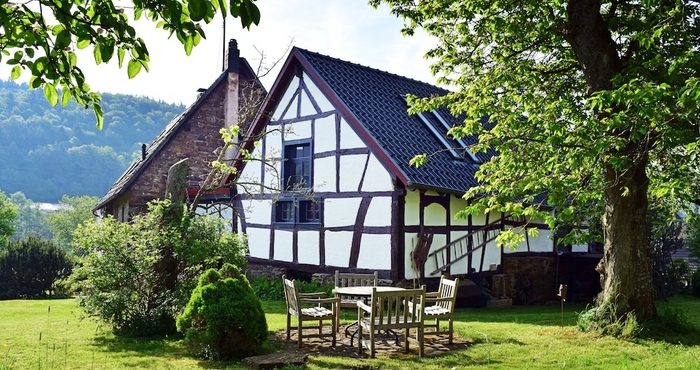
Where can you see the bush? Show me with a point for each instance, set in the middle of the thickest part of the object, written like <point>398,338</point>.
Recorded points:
<point>223,319</point>
<point>139,276</point>
<point>30,267</point>
<point>695,282</point>
<point>601,320</point>
<point>273,290</point>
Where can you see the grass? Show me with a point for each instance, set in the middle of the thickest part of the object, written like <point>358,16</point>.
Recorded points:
<point>51,335</point>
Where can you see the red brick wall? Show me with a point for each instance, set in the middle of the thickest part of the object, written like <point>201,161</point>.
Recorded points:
<point>199,144</point>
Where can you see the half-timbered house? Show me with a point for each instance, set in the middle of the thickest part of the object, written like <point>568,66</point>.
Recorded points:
<point>351,201</point>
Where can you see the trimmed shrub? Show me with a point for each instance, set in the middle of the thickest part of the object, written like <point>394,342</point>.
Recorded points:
<point>30,267</point>
<point>224,319</point>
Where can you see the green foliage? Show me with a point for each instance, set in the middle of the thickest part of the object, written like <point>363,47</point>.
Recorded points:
<point>590,104</point>
<point>273,290</point>
<point>139,276</point>
<point>8,213</point>
<point>31,220</point>
<point>692,241</point>
<point>74,211</point>
<point>664,235</point>
<point>51,152</point>
<point>29,268</point>
<point>224,318</point>
<point>45,46</point>
<point>695,282</point>
<point>604,320</point>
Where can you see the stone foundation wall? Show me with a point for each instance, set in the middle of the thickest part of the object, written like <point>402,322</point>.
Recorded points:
<point>534,279</point>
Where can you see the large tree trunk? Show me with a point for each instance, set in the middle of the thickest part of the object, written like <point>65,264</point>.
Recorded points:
<point>625,269</point>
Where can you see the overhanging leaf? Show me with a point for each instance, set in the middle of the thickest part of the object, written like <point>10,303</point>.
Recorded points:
<point>51,94</point>
<point>133,68</point>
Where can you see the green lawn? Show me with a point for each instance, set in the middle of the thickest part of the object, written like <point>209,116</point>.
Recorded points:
<point>32,336</point>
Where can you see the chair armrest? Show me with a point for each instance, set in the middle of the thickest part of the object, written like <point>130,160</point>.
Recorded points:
<point>364,307</point>
<point>319,300</point>
<point>313,295</point>
<point>437,299</point>
<point>432,294</point>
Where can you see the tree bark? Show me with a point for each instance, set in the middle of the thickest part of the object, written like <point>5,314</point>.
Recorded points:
<point>625,269</point>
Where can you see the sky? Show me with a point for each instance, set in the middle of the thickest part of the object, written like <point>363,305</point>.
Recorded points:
<point>346,29</point>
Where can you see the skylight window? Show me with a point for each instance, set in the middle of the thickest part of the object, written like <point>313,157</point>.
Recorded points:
<point>438,126</point>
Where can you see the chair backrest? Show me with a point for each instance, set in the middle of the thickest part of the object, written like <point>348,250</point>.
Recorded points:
<point>448,293</point>
<point>400,308</point>
<point>347,279</point>
<point>291,295</point>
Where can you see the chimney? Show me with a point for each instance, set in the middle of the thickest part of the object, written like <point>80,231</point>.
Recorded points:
<point>231,104</point>
<point>233,56</point>
<point>143,152</point>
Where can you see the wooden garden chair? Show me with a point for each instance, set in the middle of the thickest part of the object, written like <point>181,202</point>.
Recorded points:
<point>391,311</point>
<point>440,305</point>
<point>309,307</point>
<point>343,280</point>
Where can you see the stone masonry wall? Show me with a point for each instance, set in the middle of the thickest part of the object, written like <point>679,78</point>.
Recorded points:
<point>196,139</point>
<point>534,278</point>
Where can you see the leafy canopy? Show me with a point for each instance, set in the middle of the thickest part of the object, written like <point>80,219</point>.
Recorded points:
<point>560,119</point>
<point>8,213</point>
<point>41,38</point>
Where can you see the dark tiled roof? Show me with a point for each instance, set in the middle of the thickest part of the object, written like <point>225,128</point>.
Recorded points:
<point>376,99</point>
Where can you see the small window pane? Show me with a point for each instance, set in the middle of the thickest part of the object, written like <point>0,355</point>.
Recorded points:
<point>310,211</point>
<point>285,211</point>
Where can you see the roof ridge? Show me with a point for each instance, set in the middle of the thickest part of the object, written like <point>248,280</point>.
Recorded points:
<point>370,68</point>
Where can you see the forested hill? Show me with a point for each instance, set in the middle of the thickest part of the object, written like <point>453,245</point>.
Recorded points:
<point>46,152</point>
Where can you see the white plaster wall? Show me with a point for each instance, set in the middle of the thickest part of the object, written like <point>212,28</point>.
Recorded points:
<point>410,240</point>
<point>479,219</point>
<point>338,248</point>
<point>324,174</point>
<point>412,203</point>
<point>542,242</point>
<point>321,100</point>
<point>259,242</point>
<point>539,243</point>
<point>375,252</point>
<point>325,135</point>
<point>257,211</point>
<point>307,108</point>
<point>439,240</point>
<point>461,266</point>
<point>308,247</point>
<point>283,245</point>
<point>457,204</point>
<point>476,257</point>
<point>379,212</point>
<point>377,177</point>
<point>284,101</point>
<point>351,169</point>
<point>435,215</point>
<point>493,256</point>
<point>348,137</point>
<point>579,248</point>
<point>297,131</point>
<point>340,212</point>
